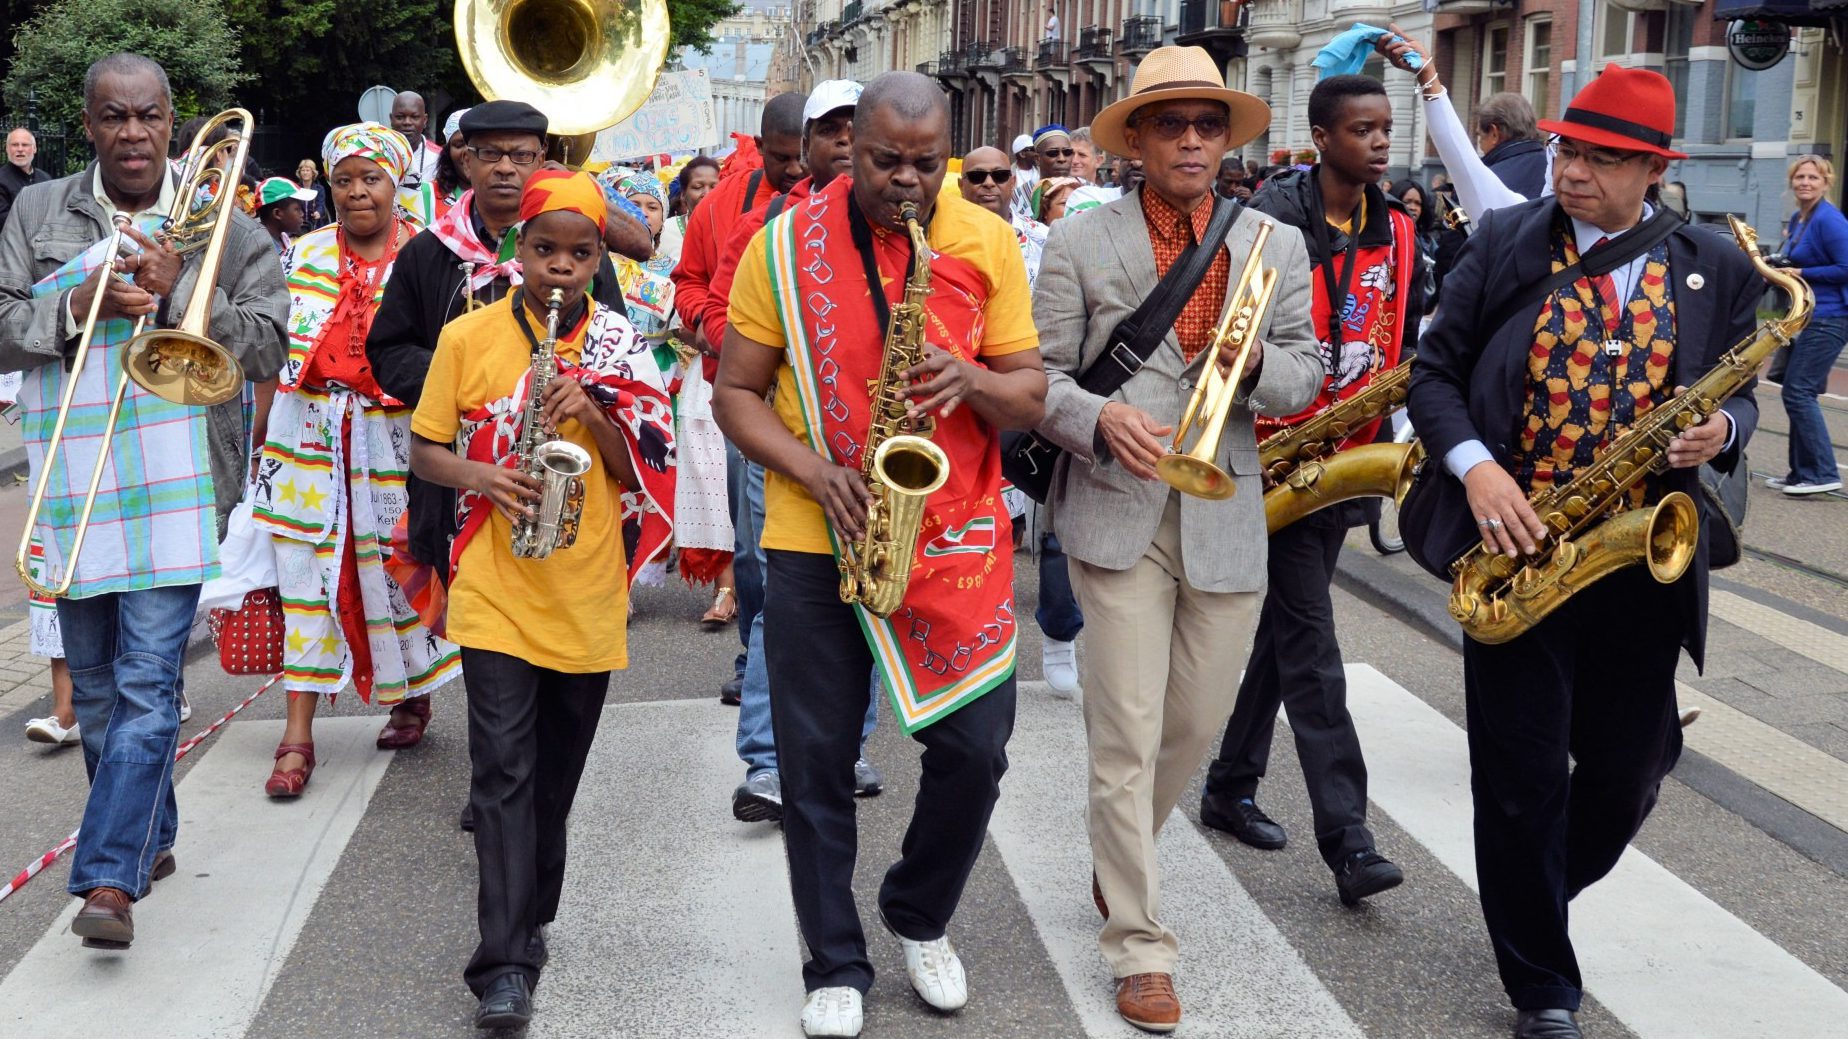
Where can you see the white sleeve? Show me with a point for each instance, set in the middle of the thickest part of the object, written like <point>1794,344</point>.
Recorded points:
<point>1478,188</point>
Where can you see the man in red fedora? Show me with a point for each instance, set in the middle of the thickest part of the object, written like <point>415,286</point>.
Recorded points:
<point>1572,723</point>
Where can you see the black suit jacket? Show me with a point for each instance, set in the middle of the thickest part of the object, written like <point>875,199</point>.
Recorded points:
<point>1471,382</point>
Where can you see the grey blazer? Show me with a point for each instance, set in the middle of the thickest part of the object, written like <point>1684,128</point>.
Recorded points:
<point>51,223</point>
<point>1096,270</point>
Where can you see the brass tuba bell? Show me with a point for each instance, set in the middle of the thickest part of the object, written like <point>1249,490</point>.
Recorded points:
<point>587,64</point>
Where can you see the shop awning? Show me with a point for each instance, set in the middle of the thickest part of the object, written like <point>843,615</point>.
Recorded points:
<point>1789,12</point>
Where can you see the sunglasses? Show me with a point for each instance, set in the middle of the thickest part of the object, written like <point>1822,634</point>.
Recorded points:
<point>980,177</point>
<point>1173,127</point>
<point>1055,153</point>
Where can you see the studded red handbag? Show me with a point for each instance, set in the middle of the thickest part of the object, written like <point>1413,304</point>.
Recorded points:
<point>249,638</point>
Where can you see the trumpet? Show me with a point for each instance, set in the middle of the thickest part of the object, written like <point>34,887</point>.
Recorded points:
<point>181,365</point>
<point>1193,470</point>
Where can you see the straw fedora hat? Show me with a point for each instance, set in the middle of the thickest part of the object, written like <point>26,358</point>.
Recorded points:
<point>1179,74</point>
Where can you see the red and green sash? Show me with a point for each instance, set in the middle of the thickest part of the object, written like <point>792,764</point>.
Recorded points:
<point>953,638</point>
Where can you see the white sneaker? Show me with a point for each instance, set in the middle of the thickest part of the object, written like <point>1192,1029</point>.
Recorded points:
<point>832,1011</point>
<point>49,730</point>
<point>1799,490</point>
<point>185,708</point>
<point>1059,665</point>
<point>1777,483</point>
<point>936,972</point>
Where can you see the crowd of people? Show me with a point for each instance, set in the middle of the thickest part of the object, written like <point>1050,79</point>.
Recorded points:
<point>415,313</point>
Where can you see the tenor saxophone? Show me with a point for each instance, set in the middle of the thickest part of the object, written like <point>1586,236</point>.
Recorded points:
<point>558,464</point>
<point>1591,531</point>
<point>901,468</point>
<point>1307,471</point>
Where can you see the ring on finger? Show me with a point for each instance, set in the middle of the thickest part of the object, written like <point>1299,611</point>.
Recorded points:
<point>1482,523</point>
<point>1494,524</point>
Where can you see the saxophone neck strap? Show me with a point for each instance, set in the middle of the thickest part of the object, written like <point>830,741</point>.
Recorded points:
<point>1596,262</point>
<point>569,318</point>
<point>869,262</point>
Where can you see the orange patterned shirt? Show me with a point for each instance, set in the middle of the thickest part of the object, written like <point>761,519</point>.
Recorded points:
<point>1170,232</point>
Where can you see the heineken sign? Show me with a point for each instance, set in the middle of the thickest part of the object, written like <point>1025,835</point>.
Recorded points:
<point>1757,45</point>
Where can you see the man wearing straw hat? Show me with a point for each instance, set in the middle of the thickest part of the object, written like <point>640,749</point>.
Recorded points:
<point>1169,583</point>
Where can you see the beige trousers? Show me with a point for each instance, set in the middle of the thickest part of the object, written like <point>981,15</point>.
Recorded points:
<point>1161,672</point>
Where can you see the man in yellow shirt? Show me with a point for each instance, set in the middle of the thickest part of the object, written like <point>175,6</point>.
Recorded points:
<point>539,636</point>
<point>814,295</point>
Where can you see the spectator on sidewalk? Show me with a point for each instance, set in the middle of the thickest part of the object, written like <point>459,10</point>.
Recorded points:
<point>19,171</point>
<point>1816,244</point>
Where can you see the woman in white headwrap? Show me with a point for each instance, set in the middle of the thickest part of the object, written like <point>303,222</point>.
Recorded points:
<point>329,484</point>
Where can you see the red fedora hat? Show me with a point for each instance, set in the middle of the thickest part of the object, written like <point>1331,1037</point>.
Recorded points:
<point>1629,109</point>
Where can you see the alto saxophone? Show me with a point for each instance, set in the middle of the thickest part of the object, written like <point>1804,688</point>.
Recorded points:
<point>901,468</point>
<point>558,464</point>
<point>1590,530</point>
<point>1307,470</point>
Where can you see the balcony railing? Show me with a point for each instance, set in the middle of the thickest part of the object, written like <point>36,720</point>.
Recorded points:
<point>952,63</point>
<point>1014,61</point>
<point>1206,16</point>
<point>983,55</point>
<point>852,12</point>
<point>927,68</point>
<point>1093,43</point>
<point>1051,54</point>
<point>1141,34</point>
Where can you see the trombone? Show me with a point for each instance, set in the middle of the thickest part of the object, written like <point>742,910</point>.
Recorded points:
<point>1193,470</point>
<point>181,365</point>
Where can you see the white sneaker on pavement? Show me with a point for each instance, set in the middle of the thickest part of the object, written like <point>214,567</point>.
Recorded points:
<point>1059,665</point>
<point>936,972</point>
<point>185,708</point>
<point>49,730</point>
<point>832,1011</point>
<point>1806,488</point>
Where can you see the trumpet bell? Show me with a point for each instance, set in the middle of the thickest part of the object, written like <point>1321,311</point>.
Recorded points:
<point>585,63</point>
<point>183,368</point>
<point>1196,476</point>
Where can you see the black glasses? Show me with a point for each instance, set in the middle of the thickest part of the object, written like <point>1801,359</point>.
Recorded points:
<point>1054,153</point>
<point>492,156</point>
<point>979,177</point>
<point>1169,126</point>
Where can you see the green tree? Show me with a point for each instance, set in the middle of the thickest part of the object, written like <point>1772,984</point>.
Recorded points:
<point>693,21</point>
<point>190,38</point>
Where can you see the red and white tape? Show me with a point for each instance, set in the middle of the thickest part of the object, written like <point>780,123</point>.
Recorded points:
<point>38,865</point>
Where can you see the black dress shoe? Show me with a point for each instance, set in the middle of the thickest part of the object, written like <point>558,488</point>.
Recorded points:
<point>1545,1024</point>
<point>1242,818</point>
<point>506,1003</point>
<point>536,950</point>
<point>731,694</point>
<point>1366,873</point>
<point>467,822</point>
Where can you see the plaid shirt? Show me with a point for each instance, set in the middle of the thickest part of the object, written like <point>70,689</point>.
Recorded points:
<point>1171,232</point>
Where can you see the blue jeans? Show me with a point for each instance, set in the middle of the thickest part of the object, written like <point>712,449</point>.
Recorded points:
<point>756,741</point>
<point>747,571</point>
<point>1812,459</point>
<point>125,652</point>
<point>1058,614</point>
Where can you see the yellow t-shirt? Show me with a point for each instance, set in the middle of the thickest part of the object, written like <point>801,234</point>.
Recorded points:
<point>567,612</point>
<point>793,521</point>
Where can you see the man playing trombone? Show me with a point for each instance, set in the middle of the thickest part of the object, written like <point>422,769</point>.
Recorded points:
<point>1169,583</point>
<point>175,469</point>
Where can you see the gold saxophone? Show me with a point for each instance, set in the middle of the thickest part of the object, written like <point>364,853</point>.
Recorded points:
<point>901,468</point>
<point>1591,530</point>
<point>1306,470</point>
<point>558,464</point>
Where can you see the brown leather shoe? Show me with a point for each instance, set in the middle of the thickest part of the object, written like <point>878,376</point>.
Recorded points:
<point>1148,1002</point>
<point>1097,899</point>
<point>164,865</point>
<point>107,919</point>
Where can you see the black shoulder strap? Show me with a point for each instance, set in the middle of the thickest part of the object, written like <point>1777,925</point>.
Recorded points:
<point>1140,334</point>
<point>1602,260</point>
<point>776,206</point>
<point>750,190</point>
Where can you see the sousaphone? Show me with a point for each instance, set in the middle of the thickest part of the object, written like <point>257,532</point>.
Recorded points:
<point>587,64</point>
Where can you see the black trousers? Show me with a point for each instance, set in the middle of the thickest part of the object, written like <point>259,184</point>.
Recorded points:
<point>819,660</point>
<point>1595,680</point>
<point>1296,663</point>
<point>529,731</point>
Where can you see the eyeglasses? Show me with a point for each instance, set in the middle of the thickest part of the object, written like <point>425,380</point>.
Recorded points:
<point>1171,127</point>
<point>980,177</point>
<point>1600,160</point>
<point>1055,153</point>
<point>493,156</point>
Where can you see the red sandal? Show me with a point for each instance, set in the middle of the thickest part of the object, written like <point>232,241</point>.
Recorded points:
<point>402,737</point>
<point>288,783</point>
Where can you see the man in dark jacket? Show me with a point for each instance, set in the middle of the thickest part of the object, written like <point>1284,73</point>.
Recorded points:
<point>1510,142</point>
<point>21,149</point>
<point>1516,403</point>
<point>1367,304</point>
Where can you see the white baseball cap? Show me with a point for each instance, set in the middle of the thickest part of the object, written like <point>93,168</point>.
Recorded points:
<point>1022,143</point>
<point>829,95</point>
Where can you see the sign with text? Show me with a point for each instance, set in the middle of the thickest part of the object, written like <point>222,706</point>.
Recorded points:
<point>677,118</point>
<point>1757,45</point>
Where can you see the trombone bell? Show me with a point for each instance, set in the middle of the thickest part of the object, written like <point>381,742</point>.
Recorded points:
<point>183,368</point>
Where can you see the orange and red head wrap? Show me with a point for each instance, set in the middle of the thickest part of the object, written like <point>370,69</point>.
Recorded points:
<point>550,191</point>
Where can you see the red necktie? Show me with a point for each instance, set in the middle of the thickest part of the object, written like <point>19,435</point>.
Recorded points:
<point>1607,287</point>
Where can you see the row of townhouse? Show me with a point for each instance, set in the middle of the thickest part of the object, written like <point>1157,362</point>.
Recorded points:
<point>1012,65</point>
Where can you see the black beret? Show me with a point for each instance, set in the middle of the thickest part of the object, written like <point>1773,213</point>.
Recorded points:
<point>503,117</point>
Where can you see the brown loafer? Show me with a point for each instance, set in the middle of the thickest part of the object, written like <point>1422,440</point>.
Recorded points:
<point>107,919</point>
<point>1148,1002</point>
<point>164,865</point>
<point>404,737</point>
